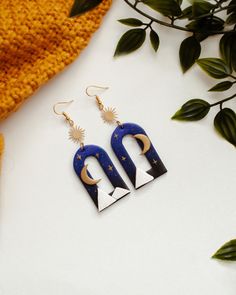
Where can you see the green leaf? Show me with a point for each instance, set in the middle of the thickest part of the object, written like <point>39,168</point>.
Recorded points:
<point>227,251</point>
<point>231,7</point>
<point>81,6</point>
<point>228,49</point>
<point>155,41</point>
<point>132,22</point>
<point>226,44</point>
<point>225,124</point>
<point>190,50</point>
<point>186,13</point>
<point>206,24</point>
<point>222,86</point>
<point>130,41</point>
<point>214,67</point>
<point>179,2</point>
<point>233,54</point>
<point>231,19</point>
<point>201,36</point>
<point>165,7</point>
<point>193,110</point>
<point>201,7</point>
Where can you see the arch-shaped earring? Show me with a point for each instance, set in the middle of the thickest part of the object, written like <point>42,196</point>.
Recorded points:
<point>100,198</point>
<point>137,176</point>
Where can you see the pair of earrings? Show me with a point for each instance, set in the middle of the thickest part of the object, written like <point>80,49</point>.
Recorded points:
<point>137,176</point>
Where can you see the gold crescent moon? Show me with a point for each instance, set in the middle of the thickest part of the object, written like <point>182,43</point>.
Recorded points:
<point>86,179</point>
<point>146,142</point>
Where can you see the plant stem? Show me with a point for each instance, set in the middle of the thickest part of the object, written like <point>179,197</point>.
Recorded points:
<point>148,25</point>
<point>214,11</point>
<point>136,3</point>
<point>155,19</point>
<point>134,6</point>
<point>219,2</point>
<point>223,100</point>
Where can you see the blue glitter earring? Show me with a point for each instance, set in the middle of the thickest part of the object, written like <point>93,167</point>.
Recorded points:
<point>137,176</point>
<point>100,198</point>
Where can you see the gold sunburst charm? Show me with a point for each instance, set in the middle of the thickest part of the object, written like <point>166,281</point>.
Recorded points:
<point>76,134</point>
<point>109,115</point>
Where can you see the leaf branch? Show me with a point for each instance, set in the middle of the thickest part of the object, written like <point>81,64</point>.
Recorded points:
<point>170,25</point>
<point>214,11</point>
<point>223,100</point>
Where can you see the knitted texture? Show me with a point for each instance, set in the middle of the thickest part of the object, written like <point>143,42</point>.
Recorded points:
<point>37,40</point>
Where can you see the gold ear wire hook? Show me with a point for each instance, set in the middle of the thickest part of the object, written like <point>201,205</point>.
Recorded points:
<point>94,86</point>
<point>67,117</point>
<point>99,101</point>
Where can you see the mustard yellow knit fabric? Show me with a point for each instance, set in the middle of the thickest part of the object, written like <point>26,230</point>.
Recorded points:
<point>37,40</point>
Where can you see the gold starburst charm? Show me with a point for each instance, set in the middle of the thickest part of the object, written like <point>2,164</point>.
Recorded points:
<point>109,115</point>
<point>76,134</point>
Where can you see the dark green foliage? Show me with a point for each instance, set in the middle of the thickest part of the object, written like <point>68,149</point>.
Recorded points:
<point>222,86</point>
<point>231,11</point>
<point>228,49</point>
<point>189,52</point>
<point>225,120</point>
<point>165,7</point>
<point>227,251</point>
<point>201,7</point>
<point>81,6</point>
<point>225,124</point>
<point>155,41</point>
<point>214,67</point>
<point>206,25</point>
<point>130,41</point>
<point>187,13</point>
<point>132,22</point>
<point>193,110</point>
<point>201,20</point>
<point>231,19</point>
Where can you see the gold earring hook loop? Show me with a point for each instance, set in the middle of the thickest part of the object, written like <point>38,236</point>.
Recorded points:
<point>60,103</point>
<point>98,99</point>
<point>67,117</point>
<point>94,86</point>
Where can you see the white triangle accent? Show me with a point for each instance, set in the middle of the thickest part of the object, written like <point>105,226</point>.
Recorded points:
<point>119,193</point>
<point>104,200</point>
<point>142,178</point>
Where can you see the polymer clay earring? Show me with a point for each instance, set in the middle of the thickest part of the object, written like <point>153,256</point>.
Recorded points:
<point>100,198</point>
<point>137,176</point>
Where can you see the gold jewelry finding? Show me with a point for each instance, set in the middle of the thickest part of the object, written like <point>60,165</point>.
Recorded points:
<point>108,114</point>
<point>76,133</point>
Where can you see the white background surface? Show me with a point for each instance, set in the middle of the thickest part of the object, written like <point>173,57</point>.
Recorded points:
<point>159,239</point>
